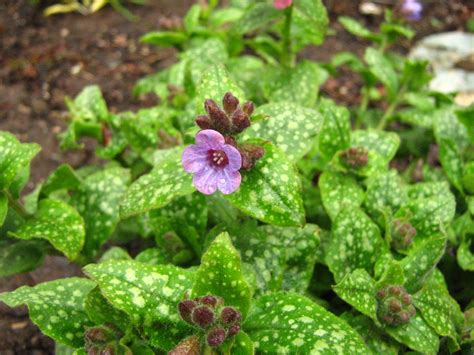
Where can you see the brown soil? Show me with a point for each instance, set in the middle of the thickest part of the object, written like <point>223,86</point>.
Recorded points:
<point>42,60</point>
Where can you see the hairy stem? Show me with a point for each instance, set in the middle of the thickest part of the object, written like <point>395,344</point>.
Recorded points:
<point>17,206</point>
<point>287,56</point>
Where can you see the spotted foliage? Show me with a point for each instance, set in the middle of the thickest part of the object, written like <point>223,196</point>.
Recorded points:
<point>285,323</point>
<point>271,191</point>
<point>57,307</point>
<point>291,127</point>
<point>58,223</point>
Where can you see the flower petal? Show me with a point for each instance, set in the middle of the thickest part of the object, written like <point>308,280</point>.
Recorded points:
<point>210,138</point>
<point>205,180</point>
<point>194,158</point>
<point>228,181</point>
<point>234,157</point>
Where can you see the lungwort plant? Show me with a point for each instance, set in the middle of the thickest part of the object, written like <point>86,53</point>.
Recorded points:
<point>264,217</point>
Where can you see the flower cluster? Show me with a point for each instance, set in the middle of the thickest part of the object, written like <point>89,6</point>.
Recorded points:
<point>402,234</point>
<point>100,340</point>
<point>395,305</point>
<point>355,157</point>
<point>216,158</point>
<point>282,4</point>
<point>209,314</point>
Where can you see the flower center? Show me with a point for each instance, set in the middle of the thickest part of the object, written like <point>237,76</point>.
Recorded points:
<point>218,158</point>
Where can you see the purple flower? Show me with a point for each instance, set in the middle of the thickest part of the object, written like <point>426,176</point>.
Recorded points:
<point>412,9</point>
<point>215,165</point>
<point>281,4</point>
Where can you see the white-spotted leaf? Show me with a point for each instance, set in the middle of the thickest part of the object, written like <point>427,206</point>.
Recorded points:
<point>291,127</point>
<point>271,190</point>
<point>165,182</point>
<point>56,307</point>
<point>339,191</point>
<point>58,223</point>
<point>384,144</point>
<point>220,274</point>
<point>355,243</point>
<point>288,323</point>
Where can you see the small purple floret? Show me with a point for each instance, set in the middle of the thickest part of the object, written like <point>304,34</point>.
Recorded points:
<point>215,165</point>
<point>412,9</point>
<point>281,4</point>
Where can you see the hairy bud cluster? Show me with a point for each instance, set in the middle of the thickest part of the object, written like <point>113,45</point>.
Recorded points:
<point>209,314</point>
<point>355,157</point>
<point>402,234</point>
<point>102,341</point>
<point>231,120</point>
<point>395,305</point>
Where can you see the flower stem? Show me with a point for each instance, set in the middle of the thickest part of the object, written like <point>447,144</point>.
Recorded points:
<point>19,209</point>
<point>287,56</point>
<point>362,108</point>
<point>390,110</point>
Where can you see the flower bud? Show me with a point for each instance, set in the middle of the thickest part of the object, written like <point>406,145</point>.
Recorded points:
<point>203,316</point>
<point>230,315</point>
<point>96,335</point>
<point>210,300</point>
<point>250,154</point>
<point>355,157</point>
<point>230,103</point>
<point>185,309</point>
<point>218,118</point>
<point>240,121</point>
<point>216,337</point>
<point>394,305</point>
<point>203,122</point>
<point>233,330</point>
<point>248,108</point>
<point>188,346</point>
<point>402,234</point>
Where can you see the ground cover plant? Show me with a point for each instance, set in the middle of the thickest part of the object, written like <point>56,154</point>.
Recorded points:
<point>269,218</point>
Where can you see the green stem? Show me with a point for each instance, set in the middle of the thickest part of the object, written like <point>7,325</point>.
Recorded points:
<point>16,205</point>
<point>362,108</point>
<point>388,114</point>
<point>287,57</point>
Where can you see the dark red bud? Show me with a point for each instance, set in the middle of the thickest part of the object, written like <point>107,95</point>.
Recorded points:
<point>230,315</point>
<point>395,306</point>
<point>209,300</point>
<point>406,299</point>
<point>203,316</point>
<point>248,108</point>
<point>108,350</point>
<point>381,293</point>
<point>216,337</point>
<point>203,122</point>
<point>218,118</point>
<point>233,330</point>
<point>395,290</point>
<point>96,335</point>
<point>388,319</point>
<point>230,140</point>
<point>230,103</point>
<point>240,120</point>
<point>185,309</point>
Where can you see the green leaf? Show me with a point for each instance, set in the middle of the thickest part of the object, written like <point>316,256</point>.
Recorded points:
<point>149,294</point>
<point>391,273</point>
<point>356,28</point>
<point>299,85</point>
<point>335,133</point>
<point>89,105</point>
<point>310,22</point>
<point>271,191</point>
<point>191,20</point>
<point>384,144</point>
<point>98,199</point>
<point>243,345</point>
<point>290,127</point>
<point>288,323</point>
<point>451,160</point>
<point>416,334</point>
<point>375,339</point>
<point>19,257</point>
<point>339,191</point>
<point>14,156</point>
<point>152,256</point>
<point>439,309</point>
<point>385,191</point>
<point>115,253</point>
<point>255,17</point>
<point>165,182</point>
<point>464,255</point>
<point>421,262</point>
<point>383,70</point>
<point>56,307</point>
<point>3,207</point>
<point>100,311</point>
<point>220,274</point>
<point>215,83</point>
<point>63,177</point>
<point>58,223</point>
<point>355,243</point>
<point>358,289</point>
<point>164,38</point>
